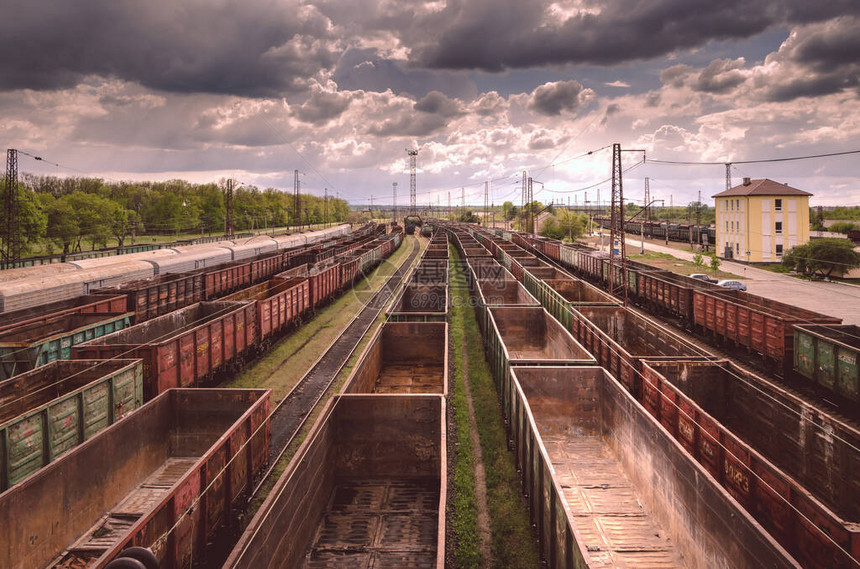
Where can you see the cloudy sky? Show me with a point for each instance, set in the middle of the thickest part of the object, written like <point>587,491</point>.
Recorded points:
<point>202,89</point>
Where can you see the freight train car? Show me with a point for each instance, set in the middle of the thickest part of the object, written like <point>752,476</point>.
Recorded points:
<point>279,304</point>
<point>607,487</point>
<point>184,348</point>
<point>46,412</point>
<point>830,357</point>
<point>370,483</point>
<point>89,304</point>
<point>166,477</point>
<point>792,466</point>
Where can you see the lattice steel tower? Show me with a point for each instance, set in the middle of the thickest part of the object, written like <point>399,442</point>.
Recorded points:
<point>617,284</point>
<point>413,180</point>
<point>12,245</point>
<point>228,199</point>
<point>394,199</point>
<point>297,200</point>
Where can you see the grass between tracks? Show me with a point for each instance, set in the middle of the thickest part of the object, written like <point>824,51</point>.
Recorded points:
<point>514,543</point>
<point>294,356</point>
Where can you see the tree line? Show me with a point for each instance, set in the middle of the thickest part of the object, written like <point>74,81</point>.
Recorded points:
<point>68,214</point>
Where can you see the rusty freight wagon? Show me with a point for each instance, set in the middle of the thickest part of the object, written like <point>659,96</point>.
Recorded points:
<point>492,292</point>
<point>279,303</point>
<point>165,477</point>
<point>622,339</point>
<point>665,292</point>
<point>830,357</point>
<point>370,483</point>
<point>184,348</point>
<point>430,271</point>
<point>89,304</point>
<point>790,464</point>
<point>403,357</point>
<point>420,303</point>
<point>160,295</point>
<point>607,487</point>
<point>763,325</point>
<point>560,296</point>
<point>527,335</point>
<point>47,411</point>
<point>25,347</point>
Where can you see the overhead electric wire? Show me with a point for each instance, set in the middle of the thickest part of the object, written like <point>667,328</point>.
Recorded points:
<point>761,161</point>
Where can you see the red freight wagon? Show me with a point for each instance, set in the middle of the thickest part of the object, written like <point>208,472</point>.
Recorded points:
<point>761,324</point>
<point>157,296</point>
<point>89,304</point>
<point>184,348</point>
<point>787,462</point>
<point>266,267</point>
<point>279,303</point>
<point>324,283</point>
<point>669,292</point>
<point>178,468</point>
<point>348,270</point>
<point>225,279</point>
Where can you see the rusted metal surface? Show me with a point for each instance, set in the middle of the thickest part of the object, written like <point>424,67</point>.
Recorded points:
<point>761,324</point>
<point>420,303</point>
<point>622,339</point>
<point>279,303</point>
<point>498,292</point>
<point>608,488</point>
<point>89,304</point>
<point>136,480</point>
<point>46,412</point>
<point>775,453</point>
<point>160,295</point>
<point>430,271</point>
<point>522,336</point>
<point>183,348</point>
<point>370,484</point>
<point>403,357</point>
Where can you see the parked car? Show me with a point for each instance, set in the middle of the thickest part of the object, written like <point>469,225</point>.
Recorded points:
<point>703,277</point>
<point>733,285</point>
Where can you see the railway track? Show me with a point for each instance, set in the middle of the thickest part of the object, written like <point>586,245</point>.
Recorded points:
<point>292,412</point>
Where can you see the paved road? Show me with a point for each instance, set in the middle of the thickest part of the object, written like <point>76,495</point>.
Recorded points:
<point>833,299</point>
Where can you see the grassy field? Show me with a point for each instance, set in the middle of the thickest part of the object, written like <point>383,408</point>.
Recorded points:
<point>514,543</point>
<point>669,263</point>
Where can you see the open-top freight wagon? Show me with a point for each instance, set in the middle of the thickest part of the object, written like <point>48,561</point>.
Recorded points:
<point>184,348</point>
<point>166,477</point>
<point>46,412</point>
<point>830,357</point>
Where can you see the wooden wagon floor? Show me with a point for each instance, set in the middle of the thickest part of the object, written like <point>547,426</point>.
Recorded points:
<point>424,378</point>
<point>377,524</point>
<point>113,526</point>
<point>615,528</point>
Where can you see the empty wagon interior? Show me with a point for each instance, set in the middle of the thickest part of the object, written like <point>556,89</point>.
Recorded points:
<point>635,334</point>
<point>577,291</point>
<point>404,357</point>
<point>505,292</point>
<point>368,483</point>
<point>530,333</point>
<point>422,298</point>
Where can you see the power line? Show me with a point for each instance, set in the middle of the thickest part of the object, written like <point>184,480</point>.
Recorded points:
<point>762,161</point>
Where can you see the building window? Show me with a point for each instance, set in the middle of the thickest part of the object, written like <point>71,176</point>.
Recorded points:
<point>778,227</point>
<point>777,205</point>
<point>779,250</point>
<point>727,226</point>
<point>737,248</point>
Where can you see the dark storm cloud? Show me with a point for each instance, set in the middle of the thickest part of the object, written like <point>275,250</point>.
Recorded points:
<point>256,48</point>
<point>322,107</point>
<point>438,104</point>
<point>721,76</point>
<point>552,99</point>
<point>622,31</point>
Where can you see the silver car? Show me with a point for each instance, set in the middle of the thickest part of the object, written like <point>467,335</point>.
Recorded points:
<point>732,285</point>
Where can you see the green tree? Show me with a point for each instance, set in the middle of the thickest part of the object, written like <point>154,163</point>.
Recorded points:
<point>822,257</point>
<point>509,211</point>
<point>699,259</point>
<point>32,219</point>
<point>843,227</point>
<point>63,226</point>
<point>715,263</point>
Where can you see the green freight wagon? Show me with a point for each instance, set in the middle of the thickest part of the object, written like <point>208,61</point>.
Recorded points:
<point>48,411</point>
<point>33,345</point>
<point>828,355</point>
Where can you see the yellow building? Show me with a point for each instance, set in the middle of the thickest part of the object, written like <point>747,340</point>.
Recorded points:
<point>760,220</point>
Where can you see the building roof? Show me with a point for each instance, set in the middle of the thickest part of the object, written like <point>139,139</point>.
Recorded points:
<point>763,187</point>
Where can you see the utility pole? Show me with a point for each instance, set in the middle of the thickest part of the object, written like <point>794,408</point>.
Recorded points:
<point>524,196</point>
<point>463,201</point>
<point>728,175</point>
<point>297,200</point>
<point>599,211</point>
<point>647,199</point>
<point>12,246</point>
<point>449,205</point>
<point>699,220</point>
<point>413,180</point>
<point>486,201</point>
<point>616,224</point>
<point>228,229</point>
<point>394,199</point>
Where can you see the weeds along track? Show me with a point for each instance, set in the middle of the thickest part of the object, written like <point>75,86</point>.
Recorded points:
<point>292,412</point>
